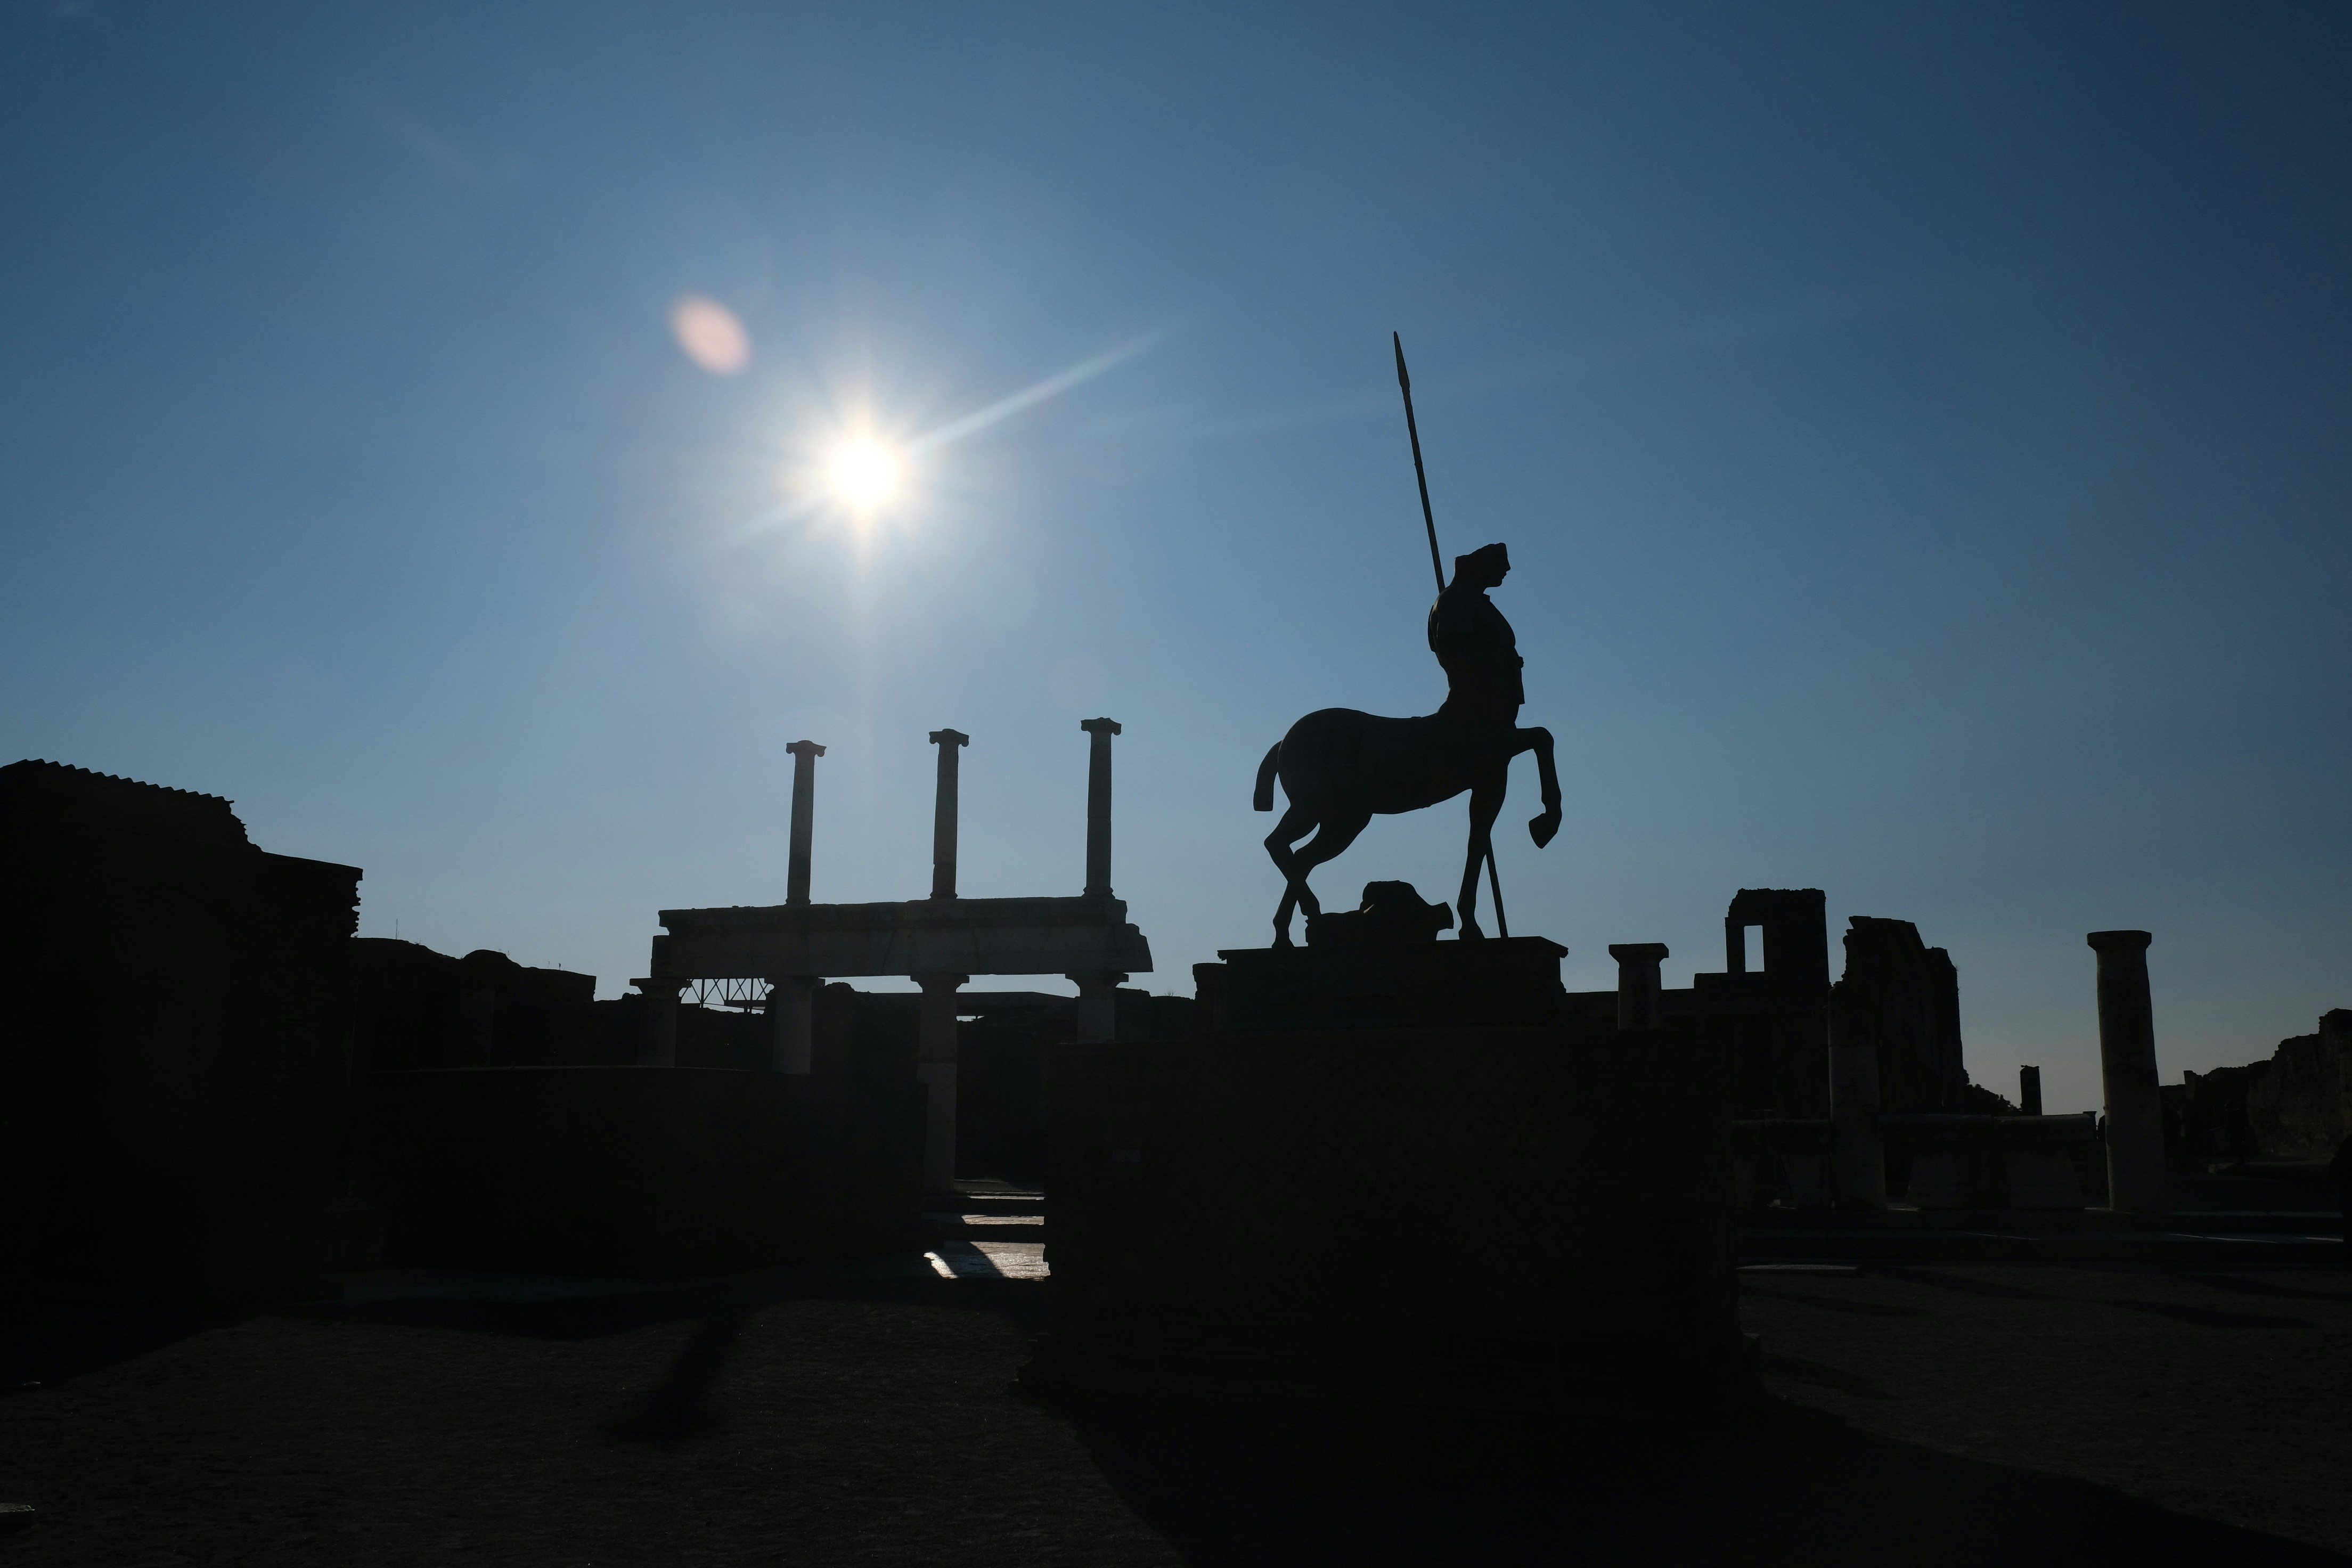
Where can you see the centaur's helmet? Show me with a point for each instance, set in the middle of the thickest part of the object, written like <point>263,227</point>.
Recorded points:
<point>1486,563</point>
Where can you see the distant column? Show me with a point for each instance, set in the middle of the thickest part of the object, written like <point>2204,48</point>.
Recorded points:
<point>796,875</point>
<point>1857,1146</point>
<point>2028,1091</point>
<point>935,1069</point>
<point>943,814</point>
<point>791,1023</point>
<point>1097,1021</point>
<point>1098,806</point>
<point>2128,1072</point>
<point>1641,999</point>
<point>661,1019</point>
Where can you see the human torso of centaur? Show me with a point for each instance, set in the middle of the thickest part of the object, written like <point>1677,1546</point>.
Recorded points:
<point>1480,656</point>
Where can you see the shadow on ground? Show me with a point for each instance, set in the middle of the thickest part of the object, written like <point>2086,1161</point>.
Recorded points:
<point>1772,1484</point>
<point>1775,1484</point>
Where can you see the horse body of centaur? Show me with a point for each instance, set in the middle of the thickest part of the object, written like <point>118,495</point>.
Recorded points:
<point>1340,768</point>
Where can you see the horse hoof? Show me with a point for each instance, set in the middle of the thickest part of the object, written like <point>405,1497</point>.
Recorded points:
<point>1470,931</point>
<point>1541,828</point>
<point>1282,939</point>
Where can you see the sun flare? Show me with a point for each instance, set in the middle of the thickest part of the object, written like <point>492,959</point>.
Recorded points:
<point>863,475</point>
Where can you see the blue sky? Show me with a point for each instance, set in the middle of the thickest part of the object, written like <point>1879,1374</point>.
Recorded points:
<point>1920,433</point>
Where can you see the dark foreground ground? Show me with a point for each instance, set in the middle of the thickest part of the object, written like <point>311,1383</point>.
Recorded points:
<point>1985,1414</point>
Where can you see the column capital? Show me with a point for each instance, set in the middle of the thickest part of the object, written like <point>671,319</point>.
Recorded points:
<point>1638,952</point>
<point>2119,941</point>
<point>1099,726</point>
<point>934,983</point>
<point>1098,980</point>
<point>672,984</point>
<point>950,738</point>
<point>805,749</point>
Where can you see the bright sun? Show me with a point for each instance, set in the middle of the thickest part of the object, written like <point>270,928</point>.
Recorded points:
<point>863,475</point>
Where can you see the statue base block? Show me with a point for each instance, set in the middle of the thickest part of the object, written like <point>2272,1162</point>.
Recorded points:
<point>1496,981</point>
<point>1478,1215</point>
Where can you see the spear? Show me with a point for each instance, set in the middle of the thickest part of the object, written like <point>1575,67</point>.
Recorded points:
<point>1429,520</point>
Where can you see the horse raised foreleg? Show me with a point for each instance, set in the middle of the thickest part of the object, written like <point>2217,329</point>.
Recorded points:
<point>1297,822</point>
<point>1486,804</point>
<point>1542,827</point>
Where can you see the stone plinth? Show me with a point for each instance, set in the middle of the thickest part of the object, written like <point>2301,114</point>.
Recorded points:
<point>1500,982</point>
<point>1462,1216</point>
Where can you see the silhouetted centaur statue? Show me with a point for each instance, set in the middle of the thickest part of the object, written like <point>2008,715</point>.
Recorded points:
<point>1340,768</point>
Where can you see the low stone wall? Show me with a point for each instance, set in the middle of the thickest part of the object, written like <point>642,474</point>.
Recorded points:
<point>1486,1216</point>
<point>646,1172</point>
<point>1933,1162</point>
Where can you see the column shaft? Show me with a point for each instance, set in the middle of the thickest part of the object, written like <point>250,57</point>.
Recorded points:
<point>661,1048</point>
<point>1857,1149</point>
<point>2135,1181</point>
<point>796,874</point>
<point>943,814</point>
<point>935,1069</point>
<point>1099,806</point>
<point>1641,995</point>
<point>791,1022</point>
<point>1097,1021</point>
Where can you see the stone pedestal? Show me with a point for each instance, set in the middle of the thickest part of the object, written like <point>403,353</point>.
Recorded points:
<point>1500,980</point>
<point>935,1069</point>
<point>2136,1181</point>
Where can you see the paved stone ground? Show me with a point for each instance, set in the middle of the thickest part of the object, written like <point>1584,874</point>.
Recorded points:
<point>1965,1415</point>
<point>2225,1395</point>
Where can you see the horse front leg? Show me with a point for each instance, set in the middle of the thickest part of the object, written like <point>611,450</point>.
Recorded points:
<point>1542,828</point>
<point>1486,804</point>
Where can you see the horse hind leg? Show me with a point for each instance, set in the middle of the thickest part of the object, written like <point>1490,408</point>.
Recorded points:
<point>1295,823</point>
<point>1331,841</point>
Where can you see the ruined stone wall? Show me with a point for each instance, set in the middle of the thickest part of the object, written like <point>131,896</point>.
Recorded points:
<point>1903,997</point>
<point>176,1060</point>
<point>2301,1108</point>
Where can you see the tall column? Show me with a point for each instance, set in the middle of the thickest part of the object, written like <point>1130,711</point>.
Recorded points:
<point>1098,806</point>
<point>1857,1149</point>
<point>2028,1091</point>
<point>935,1069</point>
<point>792,1024</point>
<point>943,814</point>
<point>2127,1072</point>
<point>660,1046</point>
<point>796,875</point>
<point>1641,997</point>
<point>1098,1006</point>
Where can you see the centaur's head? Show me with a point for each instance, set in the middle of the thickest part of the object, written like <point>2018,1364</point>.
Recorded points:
<point>1484,567</point>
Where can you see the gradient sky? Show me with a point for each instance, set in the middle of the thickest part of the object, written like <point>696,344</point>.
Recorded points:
<point>1920,431</point>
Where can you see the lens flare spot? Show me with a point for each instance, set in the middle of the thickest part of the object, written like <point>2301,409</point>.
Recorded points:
<point>863,475</point>
<point>711,335</point>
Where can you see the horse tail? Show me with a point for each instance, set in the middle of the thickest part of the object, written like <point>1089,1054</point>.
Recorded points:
<point>1264,799</point>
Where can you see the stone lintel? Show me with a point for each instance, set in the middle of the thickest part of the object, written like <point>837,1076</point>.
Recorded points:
<point>963,936</point>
